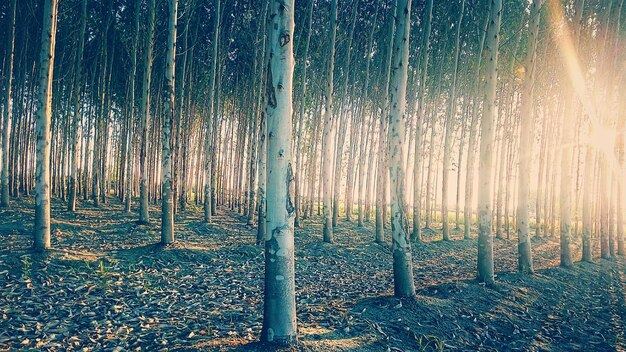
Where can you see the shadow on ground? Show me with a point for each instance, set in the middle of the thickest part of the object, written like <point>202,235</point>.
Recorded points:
<point>108,285</point>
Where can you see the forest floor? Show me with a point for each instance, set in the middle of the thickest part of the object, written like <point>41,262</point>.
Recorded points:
<point>107,286</point>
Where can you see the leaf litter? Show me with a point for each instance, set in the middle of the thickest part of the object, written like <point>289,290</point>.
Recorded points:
<point>106,286</point>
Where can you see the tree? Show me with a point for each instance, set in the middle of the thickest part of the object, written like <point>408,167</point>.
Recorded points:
<point>401,244</point>
<point>449,125</point>
<point>44,115</point>
<point>328,134</point>
<point>524,253</point>
<point>279,317</point>
<point>485,236</point>
<point>144,110</point>
<point>131,117</point>
<point>302,108</point>
<point>167,216</point>
<point>8,112</point>
<point>566,161</point>
<point>208,167</point>
<point>419,132</point>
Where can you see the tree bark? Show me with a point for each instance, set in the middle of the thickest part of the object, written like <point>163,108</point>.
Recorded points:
<point>144,111</point>
<point>44,115</point>
<point>524,252</point>
<point>297,176</point>
<point>485,236</point>
<point>167,206</point>
<point>401,244</point>
<point>327,150</point>
<point>8,111</point>
<point>449,128</point>
<point>416,234</point>
<point>208,165</point>
<point>279,318</point>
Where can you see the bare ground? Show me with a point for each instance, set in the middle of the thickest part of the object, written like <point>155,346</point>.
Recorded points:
<point>107,286</point>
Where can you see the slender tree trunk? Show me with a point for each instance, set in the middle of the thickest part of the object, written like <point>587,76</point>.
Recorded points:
<point>44,115</point>
<point>449,128</point>
<point>419,132</point>
<point>524,252</point>
<point>144,111</point>
<point>262,150</point>
<point>471,153</point>
<point>167,216</point>
<point>131,118</point>
<point>457,208</point>
<point>8,112</point>
<point>327,150</point>
<point>540,177</point>
<point>279,318</point>
<point>208,166</point>
<point>619,145</point>
<point>302,108</point>
<point>604,208</point>
<point>383,172</point>
<point>485,236</point>
<point>401,244</point>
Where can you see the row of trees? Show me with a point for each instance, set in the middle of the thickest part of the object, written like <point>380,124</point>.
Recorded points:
<point>361,109</point>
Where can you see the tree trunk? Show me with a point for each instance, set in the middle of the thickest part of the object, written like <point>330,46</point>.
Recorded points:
<point>485,236</point>
<point>449,128</point>
<point>208,166</point>
<point>44,115</point>
<point>131,118</point>
<point>144,111</point>
<point>279,318</point>
<point>419,132</point>
<point>327,144</point>
<point>8,112</point>
<point>382,169</point>
<point>167,216</point>
<point>297,177</point>
<point>524,252</point>
<point>401,244</point>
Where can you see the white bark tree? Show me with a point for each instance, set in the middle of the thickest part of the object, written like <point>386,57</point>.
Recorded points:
<point>279,318</point>
<point>401,244</point>
<point>8,112</point>
<point>449,129</point>
<point>144,111</point>
<point>524,253</point>
<point>167,201</point>
<point>328,135</point>
<point>44,116</point>
<point>419,126</point>
<point>485,168</point>
<point>208,167</point>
